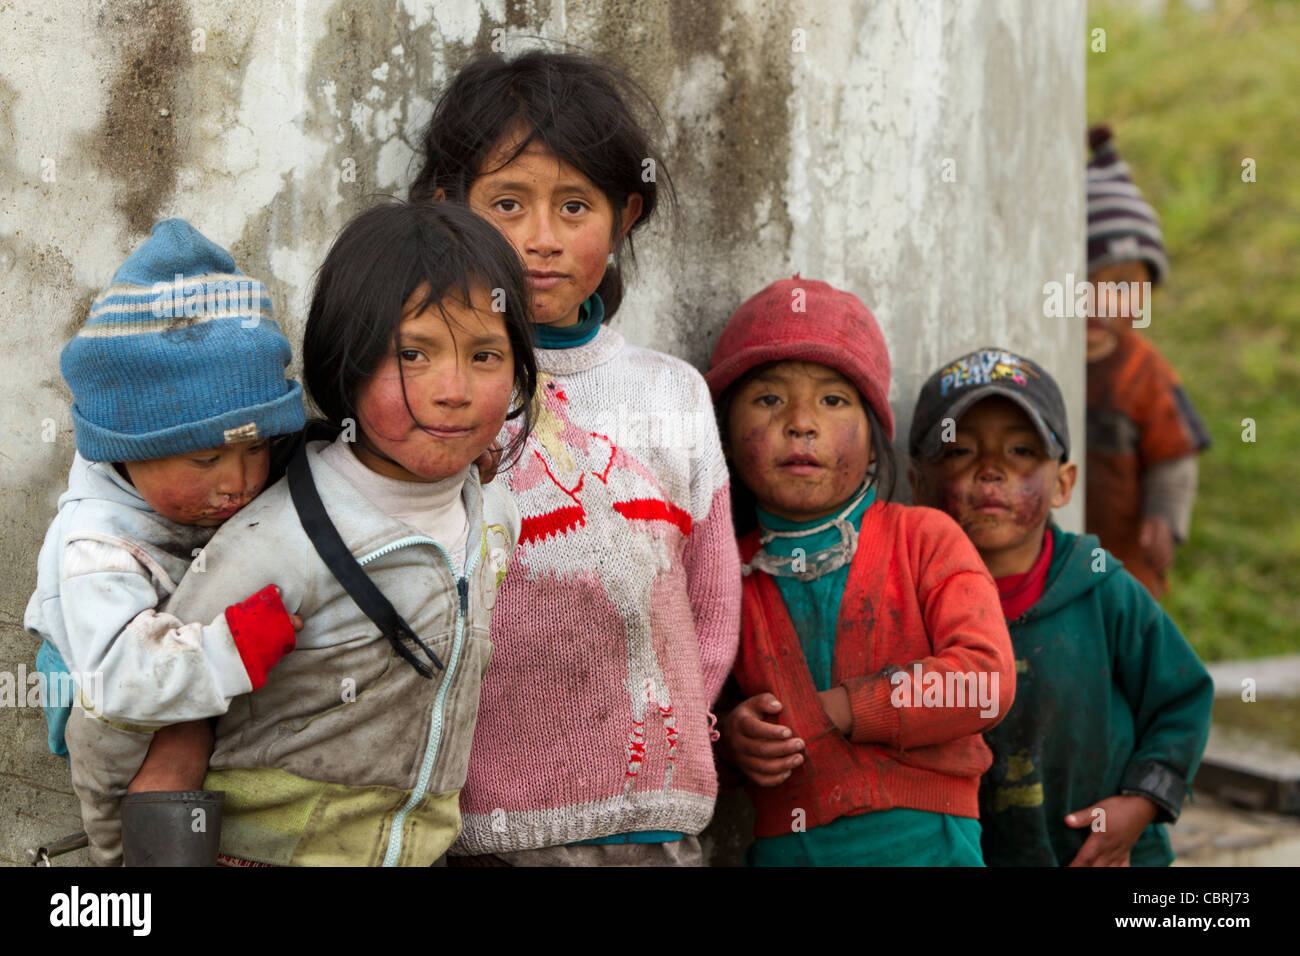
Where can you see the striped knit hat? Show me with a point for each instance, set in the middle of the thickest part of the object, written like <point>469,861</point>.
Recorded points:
<point>179,355</point>
<point>1122,226</point>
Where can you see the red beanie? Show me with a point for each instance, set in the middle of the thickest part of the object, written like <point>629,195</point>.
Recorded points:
<point>803,320</point>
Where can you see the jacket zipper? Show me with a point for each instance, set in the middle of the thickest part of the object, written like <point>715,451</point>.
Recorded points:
<point>434,741</point>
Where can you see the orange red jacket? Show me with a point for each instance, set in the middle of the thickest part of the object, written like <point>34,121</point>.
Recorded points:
<point>921,639</point>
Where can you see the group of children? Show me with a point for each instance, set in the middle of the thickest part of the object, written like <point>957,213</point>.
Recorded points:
<point>389,656</point>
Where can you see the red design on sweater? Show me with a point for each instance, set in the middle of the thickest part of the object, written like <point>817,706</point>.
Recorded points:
<point>635,748</point>
<point>635,624</point>
<point>604,476</point>
<point>559,521</point>
<point>571,492</point>
<point>652,509</point>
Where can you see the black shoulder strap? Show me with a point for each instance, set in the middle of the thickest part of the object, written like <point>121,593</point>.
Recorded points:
<point>338,558</point>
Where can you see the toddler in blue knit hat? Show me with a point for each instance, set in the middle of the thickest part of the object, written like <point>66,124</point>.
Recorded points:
<point>178,382</point>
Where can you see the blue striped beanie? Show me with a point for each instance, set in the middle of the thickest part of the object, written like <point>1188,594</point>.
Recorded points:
<point>1122,226</point>
<point>179,354</point>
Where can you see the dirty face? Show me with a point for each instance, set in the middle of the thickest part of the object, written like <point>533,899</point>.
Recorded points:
<point>203,488</point>
<point>799,438</point>
<point>441,396</point>
<point>996,480</point>
<point>1112,316</point>
<point>558,220</point>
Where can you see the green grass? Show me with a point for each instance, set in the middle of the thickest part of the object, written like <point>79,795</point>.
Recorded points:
<point>1189,96</point>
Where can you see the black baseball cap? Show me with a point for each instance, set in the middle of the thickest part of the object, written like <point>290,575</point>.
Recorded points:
<point>981,374</point>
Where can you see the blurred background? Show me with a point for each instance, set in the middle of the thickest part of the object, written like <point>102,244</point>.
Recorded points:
<point>1190,91</point>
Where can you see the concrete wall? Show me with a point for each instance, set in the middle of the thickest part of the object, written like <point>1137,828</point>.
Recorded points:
<point>821,151</point>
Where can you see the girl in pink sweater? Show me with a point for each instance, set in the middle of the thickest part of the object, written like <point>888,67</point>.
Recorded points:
<point>618,620</point>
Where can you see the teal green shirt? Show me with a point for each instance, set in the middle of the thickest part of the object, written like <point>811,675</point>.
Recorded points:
<point>590,315</point>
<point>814,606</point>
<point>899,837</point>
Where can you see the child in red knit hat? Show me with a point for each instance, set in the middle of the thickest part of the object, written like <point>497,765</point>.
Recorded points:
<point>873,651</point>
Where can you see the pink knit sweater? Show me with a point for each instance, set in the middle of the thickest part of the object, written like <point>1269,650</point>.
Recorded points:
<point>619,618</point>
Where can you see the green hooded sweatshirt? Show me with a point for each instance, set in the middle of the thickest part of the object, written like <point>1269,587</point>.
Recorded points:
<point>1110,699</point>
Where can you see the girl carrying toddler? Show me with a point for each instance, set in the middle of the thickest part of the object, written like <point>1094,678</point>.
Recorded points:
<point>354,750</point>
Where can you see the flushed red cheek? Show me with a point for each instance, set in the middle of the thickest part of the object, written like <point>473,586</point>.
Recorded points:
<point>184,504</point>
<point>752,454</point>
<point>956,490</point>
<point>850,454</point>
<point>956,497</point>
<point>594,256</point>
<point>186,507</point>
<point>496,406</point>
<point>1029,502</point>
<point>384,408</point>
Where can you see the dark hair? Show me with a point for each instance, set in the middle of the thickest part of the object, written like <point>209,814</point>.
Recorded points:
<point>743,502</point>
<point>379,260</point>
<point>577,107</point>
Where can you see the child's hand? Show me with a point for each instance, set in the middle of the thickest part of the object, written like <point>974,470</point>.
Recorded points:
<point>765,751</point>
<point>838,710</point>
<point>488,462</point>
<point>294,619</point>
<point>1156,539</point>
<point>1121,822</point>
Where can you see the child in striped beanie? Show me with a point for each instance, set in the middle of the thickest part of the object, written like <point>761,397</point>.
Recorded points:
<point>178,384</point>
<point>1143,432</point>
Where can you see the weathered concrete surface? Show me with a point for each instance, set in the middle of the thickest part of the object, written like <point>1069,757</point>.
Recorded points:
<point>267,124</point>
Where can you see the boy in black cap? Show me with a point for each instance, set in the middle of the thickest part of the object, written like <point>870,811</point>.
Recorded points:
<point>1112,706</point>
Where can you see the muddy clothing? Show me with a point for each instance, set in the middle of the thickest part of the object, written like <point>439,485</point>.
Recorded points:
<point>618,620</point>
<point>814,606</point>
<point>898,837</point>
<point>347,756</point>
<point>1110,699</point>
<point>683,850</point>
<point>917,597</point>
<point>108,564</point>
<point>1139,419</point>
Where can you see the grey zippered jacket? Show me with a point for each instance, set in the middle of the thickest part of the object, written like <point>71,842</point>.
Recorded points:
<point>347,756</point>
